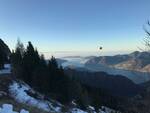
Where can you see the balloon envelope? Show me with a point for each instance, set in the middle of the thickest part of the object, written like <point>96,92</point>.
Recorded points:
<point>100,48</point>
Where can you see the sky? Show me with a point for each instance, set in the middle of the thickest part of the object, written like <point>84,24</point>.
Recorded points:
<point>75,27</point>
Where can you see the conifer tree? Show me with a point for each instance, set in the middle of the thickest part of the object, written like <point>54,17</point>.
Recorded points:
<point>1,59</point>
<point>40,76</point>
<point>48,78</point>
<point>16,60</point>
<point>4,54</point>
<point>30,62</point>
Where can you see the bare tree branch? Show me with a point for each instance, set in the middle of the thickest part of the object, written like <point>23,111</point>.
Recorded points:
<point>146,39</point>
<point>148,23</point>
<point>147,32</point>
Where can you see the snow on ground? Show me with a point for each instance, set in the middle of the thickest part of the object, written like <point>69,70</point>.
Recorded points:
<point>19,92</point>
<point>6,70</point>
<point>8,108</point>
<point>107,110</point>
<point>7,66</point>
<point>76,110</point>
<point>92,110</point>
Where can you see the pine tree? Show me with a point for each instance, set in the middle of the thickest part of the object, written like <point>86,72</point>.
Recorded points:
<point>1,58</point>
<point>16,60</point>
<point>31,61</point>
<point>4,54</point>
<point>40,76</point>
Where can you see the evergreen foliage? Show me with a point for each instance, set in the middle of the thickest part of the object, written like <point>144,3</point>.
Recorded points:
<point>4,54</point>
<point>2,60</point>
<point>46,77</point>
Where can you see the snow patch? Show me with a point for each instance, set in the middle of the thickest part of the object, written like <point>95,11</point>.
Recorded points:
<point>107,110</point>
<point>23,111</point>
<point>76,110</point>
<point>19,92</point>
<point>8,108</point>
<point>6,70</point>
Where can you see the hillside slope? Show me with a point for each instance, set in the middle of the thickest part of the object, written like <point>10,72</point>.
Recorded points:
<point>21,96</point>
<point>116,85</point>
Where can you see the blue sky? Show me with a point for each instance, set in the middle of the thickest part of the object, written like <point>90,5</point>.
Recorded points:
<point>75,26</point>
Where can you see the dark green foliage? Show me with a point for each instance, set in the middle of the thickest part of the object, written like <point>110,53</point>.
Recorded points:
<point>30,62</point>
<point>4,54</point>
<point>40,76</point>
<point>48,78</point>
<point>59,83</point>
<point>16,60</point>
<point>83,98</point>
<point>1,59</point>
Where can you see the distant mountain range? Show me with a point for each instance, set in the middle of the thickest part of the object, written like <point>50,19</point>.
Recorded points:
<point>135,66</point>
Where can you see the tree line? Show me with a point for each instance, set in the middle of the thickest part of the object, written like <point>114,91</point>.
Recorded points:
<point>45,76</point>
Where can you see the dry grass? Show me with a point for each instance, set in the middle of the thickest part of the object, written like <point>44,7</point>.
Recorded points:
<point>5,80</point>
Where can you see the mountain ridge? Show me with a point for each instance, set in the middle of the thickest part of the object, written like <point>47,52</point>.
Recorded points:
<point>136,61</point>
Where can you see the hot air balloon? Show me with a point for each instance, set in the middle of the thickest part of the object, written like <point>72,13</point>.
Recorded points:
<point>100,48</point>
